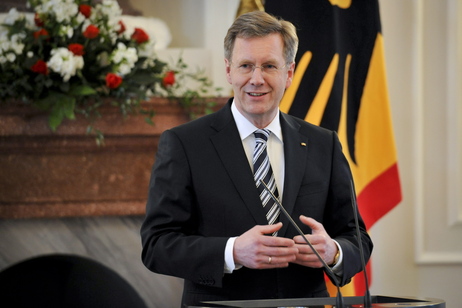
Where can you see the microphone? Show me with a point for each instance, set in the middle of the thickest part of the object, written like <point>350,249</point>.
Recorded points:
<point>367,295</point>
<point>339,300</point>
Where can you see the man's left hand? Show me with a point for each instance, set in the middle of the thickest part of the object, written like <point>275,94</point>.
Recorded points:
<point>320,240</point>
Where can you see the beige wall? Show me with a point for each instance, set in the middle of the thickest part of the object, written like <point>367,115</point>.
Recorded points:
<point>419,247</point>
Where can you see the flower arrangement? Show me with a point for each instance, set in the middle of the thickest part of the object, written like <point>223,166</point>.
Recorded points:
<point>74,53</point>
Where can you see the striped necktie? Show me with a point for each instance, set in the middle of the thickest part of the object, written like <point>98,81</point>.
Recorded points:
<point>263,171</point>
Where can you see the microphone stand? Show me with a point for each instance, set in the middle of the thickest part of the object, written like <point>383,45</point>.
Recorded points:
<point>339,300</point>
<point>367,295</point>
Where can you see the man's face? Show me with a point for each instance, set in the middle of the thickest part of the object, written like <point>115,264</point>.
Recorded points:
<point>258,92</point>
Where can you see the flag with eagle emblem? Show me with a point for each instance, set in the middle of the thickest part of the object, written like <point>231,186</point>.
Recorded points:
<point>340,84</point>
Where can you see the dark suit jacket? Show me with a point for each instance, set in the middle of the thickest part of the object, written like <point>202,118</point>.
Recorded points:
<point>202,192</point>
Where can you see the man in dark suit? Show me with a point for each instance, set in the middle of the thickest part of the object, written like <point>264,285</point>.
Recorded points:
<point>205,221</point>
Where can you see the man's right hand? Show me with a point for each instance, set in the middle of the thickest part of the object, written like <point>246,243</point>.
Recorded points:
<point>255,249</point>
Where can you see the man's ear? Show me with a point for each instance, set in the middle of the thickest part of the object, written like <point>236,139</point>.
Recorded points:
<point>290,74</point>
<point>228,70</point>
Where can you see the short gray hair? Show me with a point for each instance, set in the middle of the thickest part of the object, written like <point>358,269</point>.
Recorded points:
<point>260,24</point>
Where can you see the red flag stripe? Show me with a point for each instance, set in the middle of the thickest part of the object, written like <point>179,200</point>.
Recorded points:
<point>379,196</point>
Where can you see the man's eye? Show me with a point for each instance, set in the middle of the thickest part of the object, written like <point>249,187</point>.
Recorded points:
<point>246,66</point>
<point>269,67</point>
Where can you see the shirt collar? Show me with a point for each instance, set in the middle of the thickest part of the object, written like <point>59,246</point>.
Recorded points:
<point>246,128</point>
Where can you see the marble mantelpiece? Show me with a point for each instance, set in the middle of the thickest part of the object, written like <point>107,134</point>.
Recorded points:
<point>65,174</point>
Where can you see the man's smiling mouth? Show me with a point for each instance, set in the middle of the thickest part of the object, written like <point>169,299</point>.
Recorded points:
<point>255,94</point>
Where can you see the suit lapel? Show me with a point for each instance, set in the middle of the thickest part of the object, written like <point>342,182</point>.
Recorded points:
<point>228,144</point>
<point>295,151</point>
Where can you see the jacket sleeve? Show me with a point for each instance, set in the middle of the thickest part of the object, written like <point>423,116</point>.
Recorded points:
<point>171,242</point>
<point>341,225</point>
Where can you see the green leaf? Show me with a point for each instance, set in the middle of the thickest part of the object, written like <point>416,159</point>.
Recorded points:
<point>54,120</point>
<point>144,78</point>
<point>60,106</point>
<point>148,120</point>
<point>82,90</point>
<point>67,107</point>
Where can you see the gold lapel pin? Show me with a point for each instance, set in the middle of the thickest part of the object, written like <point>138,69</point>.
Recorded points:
<point>303,144</point>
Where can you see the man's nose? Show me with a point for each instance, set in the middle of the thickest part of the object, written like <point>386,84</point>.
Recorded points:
<point>257,76</point>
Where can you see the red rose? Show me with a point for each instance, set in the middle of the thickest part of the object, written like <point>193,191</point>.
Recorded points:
<point>140,36</point>
<point>122,27</point>
<point>169,79</point>
<point>85,10</point>
<point>38,22</point>
<point>113,81</point>
<point>41,32</point>
<point>91,32</point>
<point>77,49</point>
<point>40,67</point>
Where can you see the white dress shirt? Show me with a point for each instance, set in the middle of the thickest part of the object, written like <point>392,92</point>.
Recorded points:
<point>275,149</point>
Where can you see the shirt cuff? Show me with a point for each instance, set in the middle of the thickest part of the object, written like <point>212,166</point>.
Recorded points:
<point>230,266</point>
<point>338,269</point>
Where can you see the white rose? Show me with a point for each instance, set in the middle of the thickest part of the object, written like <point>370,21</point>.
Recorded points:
<point>12,16</point>
<point>123,69</point>
<point>10,57</point>
<point>64,62</point>
<point>66,31</point>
